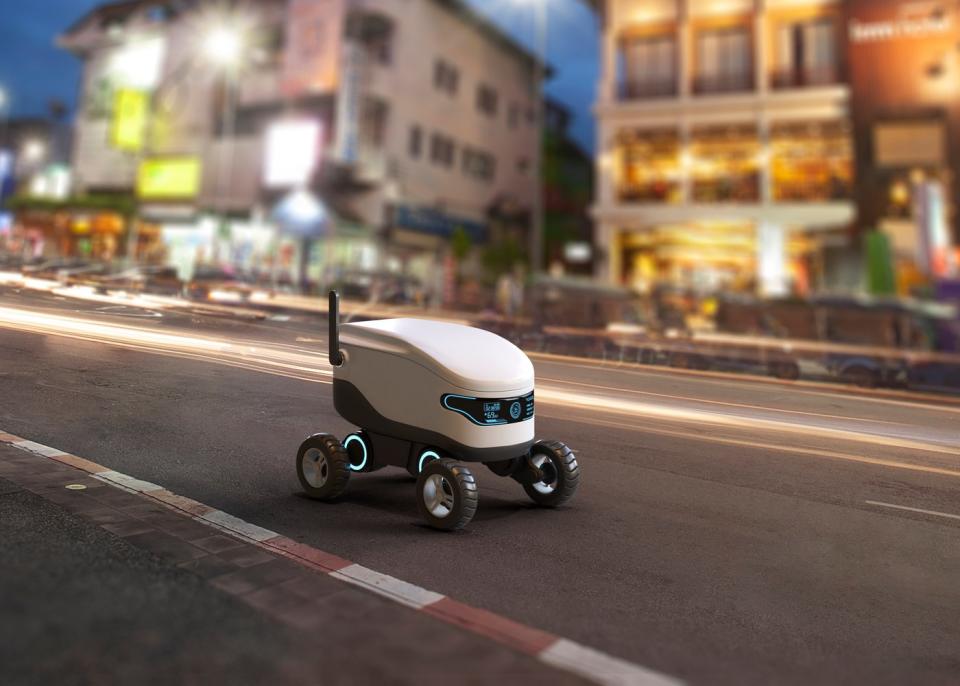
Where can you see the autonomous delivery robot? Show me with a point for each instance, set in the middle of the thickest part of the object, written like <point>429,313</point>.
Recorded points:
<point>432,398</point>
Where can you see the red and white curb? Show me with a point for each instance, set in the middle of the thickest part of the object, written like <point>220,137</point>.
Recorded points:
<point>550,649</point>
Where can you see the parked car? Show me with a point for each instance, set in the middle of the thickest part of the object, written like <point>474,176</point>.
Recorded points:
<point>219,284</point>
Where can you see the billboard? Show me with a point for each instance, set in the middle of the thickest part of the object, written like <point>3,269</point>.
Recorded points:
<point>169,178</point>
<point>130,113</point>
<point>293,150</point>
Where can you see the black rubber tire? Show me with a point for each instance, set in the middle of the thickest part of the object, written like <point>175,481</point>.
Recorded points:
<point>567,474</point>
<point>462,494</point>
<point>788,371</point>
<point>861,377</point>
<point>337,467</point>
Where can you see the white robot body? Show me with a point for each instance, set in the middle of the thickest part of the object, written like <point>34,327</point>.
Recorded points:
<point>462,389</point>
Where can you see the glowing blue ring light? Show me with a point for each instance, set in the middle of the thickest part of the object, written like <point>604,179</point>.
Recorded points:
<point>424,456</point>
<point>515,410</point>
<point>363,463</point>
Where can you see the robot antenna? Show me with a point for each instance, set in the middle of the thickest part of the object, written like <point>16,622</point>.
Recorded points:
<point>333,318</point>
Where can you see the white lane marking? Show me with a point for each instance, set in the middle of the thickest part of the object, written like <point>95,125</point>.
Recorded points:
<point>236,525</point>
<point>912,509</point>
<point>128,482</point>
<point>382,584</point>
<point>602,668</point>
<point>39,449</point>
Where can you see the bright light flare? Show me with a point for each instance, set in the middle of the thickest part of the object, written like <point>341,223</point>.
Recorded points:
<point>224,46</point>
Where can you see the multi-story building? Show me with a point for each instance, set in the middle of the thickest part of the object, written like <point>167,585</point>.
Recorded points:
<point>424,109</point>
<point>725,153</point>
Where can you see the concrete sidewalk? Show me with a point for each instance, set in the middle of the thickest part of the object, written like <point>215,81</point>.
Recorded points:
<point>101,585</point>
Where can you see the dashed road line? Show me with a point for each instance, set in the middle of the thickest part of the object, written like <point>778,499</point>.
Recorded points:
<point>918,510</point>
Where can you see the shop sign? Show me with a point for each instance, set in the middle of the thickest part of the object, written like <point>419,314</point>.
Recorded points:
<point>904,26</point>
<point>171,178</point>
<point>129,126</point>
<point>293,149</point>
<point>433,221</point>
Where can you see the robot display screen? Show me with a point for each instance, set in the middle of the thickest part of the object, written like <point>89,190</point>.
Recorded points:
<point>490,411</point>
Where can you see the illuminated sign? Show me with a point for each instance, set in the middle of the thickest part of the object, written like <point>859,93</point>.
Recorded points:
<point>293,148</point>
<point>908,25</point>
<point>171,178</point>
<point>138,64</point>
<point>130,112</point>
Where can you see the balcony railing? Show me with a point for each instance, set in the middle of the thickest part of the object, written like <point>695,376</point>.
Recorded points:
<point>646,89</point>
<point>723,83</point>
<point>806,78</point>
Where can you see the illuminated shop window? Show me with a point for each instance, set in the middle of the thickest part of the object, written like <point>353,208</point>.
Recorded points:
<point>651,167</point>
<point>811,162</point>
<point>725,164</point>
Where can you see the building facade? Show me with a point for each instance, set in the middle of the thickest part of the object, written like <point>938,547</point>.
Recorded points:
<point>725,146</point>
<point>423,112</point>
<point>904,65</point>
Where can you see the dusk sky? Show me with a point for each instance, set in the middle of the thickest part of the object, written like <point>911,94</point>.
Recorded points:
<point>34,70</point>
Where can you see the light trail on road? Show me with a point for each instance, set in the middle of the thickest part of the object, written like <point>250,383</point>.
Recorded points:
<point>304,364</point>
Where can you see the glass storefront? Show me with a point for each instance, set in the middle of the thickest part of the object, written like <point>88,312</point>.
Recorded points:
<point>811,162</point>
<point>725,164</point>
<point>651,167</point>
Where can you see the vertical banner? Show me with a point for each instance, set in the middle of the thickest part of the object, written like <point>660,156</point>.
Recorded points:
<point>935,251</point>
<point>130,114</point>
<point>315,30</point>
<point>348,104</point>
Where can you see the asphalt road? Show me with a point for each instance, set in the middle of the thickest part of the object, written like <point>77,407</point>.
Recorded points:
<point>726,531</point>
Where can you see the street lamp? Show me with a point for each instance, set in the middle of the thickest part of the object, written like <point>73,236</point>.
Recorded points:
<point>224,47</point>
<point>4,103</point>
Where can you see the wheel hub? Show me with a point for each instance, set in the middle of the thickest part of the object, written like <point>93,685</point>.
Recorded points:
<point>438,495</point>
<point>315,468</point>
<point>549,479</point>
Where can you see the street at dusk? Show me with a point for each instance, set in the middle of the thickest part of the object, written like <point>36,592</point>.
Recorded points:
<point>726,527</point>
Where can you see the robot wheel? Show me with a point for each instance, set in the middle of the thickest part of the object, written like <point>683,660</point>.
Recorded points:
<point>446,494</point>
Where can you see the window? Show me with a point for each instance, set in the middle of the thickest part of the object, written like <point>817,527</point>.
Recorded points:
<point>811,162</point>
<point>478,164</point>
<point>416,141</point>
<point>446,77</point>
<point>724,60</point>
<point>648,67</point>
<point>651,171</point>
<point>442,150</point>
<point>725,164</point>
<point>806,54</point>
<point>487,100</point>
<point>513,118</point>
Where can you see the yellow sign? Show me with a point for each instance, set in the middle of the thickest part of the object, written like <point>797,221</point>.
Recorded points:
<point>130,112</point>
<point>169,178</point>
